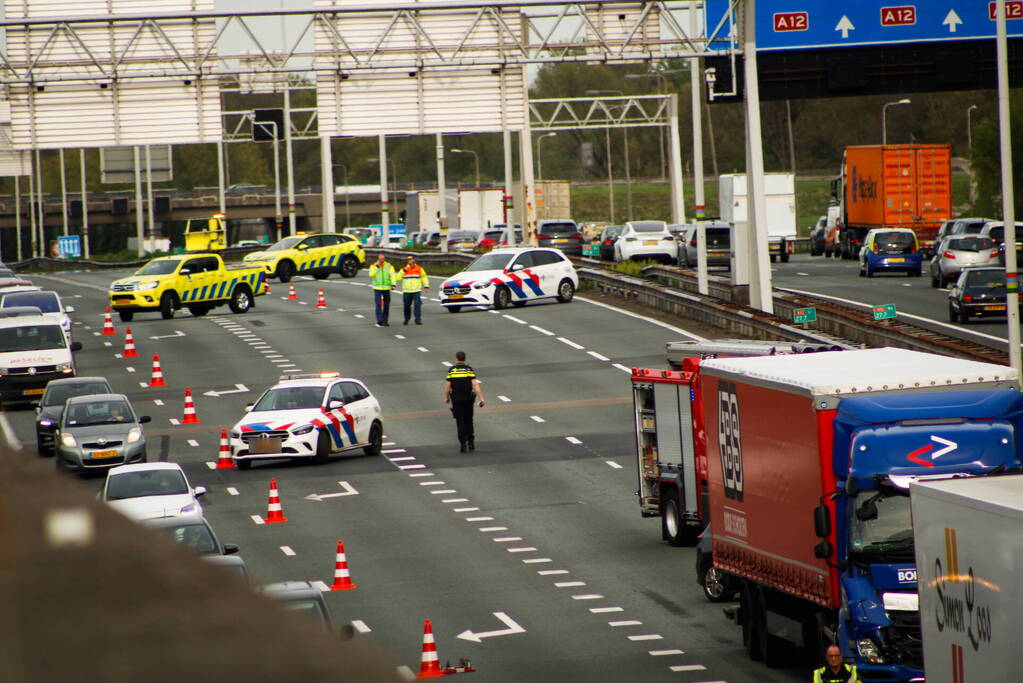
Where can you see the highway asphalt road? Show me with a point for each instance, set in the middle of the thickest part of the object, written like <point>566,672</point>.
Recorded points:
<point>540,523</point>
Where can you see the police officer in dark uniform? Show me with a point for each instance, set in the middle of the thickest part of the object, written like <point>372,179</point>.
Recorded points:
<point>461,389</point>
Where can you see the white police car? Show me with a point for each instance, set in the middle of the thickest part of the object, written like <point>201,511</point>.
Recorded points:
<point>308,416</point>
<point>511,276</point>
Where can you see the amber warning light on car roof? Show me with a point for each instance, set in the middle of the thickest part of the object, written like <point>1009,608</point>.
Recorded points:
<point>316,375</point>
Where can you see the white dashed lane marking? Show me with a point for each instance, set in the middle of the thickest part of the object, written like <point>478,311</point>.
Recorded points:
<point>541,330</point>
<point>507,539</point>
<point>613,464</point>
<point>193,443</point>
<point>287,551</point>
<point>551,572</point>
<point>664,653</point>
<point>256,518</point>
<point>455,500</point>
<point>445,364</point>
<point>570,584</point>
<point>157,401</point>
<point>424,349</point>
<point>514,319</point>
<point>489,529</point>
<point>606,610</point>
<point>521,550</point>
<point>505,399</point>
<point>622,368</point>
<point>688,667</point>
<point>443,491</point>
<point>572,439</point>
<point>647,636</point>
<point>627,622</point>
<point>536,560</point>
<point>420,474</point>
<point>360,626</point>
<point>479,519</point>
<point>232,490</point>
<point>588,596</point>
<point>571,343</point>
<point>598,356</point>
<point>537,418</point>
<point>470,509</point>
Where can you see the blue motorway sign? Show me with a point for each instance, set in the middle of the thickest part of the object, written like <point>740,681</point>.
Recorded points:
<point>814,24</point>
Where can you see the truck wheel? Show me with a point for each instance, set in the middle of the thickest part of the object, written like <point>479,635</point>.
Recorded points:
<point>715,585</point>
<point>784,255</point>
<point>285,271</point>
<point>673,528</point>
<point>349,266</point>
<point>243,464</point>
<point>199,310</point>
<point>750,613</point>
<point>376,440</point>
<point>566,290</point>
<point>322,448</point>
<point>964,317</point>
<point>241,300</point>
<point>773,258</point>
<point>774,651</point>
<point>168,304</point>
<point>126,316</point>
<point>502,298</point>
<point>952,317</point>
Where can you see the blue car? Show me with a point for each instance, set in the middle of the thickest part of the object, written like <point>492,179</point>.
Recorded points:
<point>891,249</point>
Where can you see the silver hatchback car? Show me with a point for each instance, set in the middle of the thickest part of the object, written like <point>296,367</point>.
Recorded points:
<point>956,252</point>
<point>98,432</point>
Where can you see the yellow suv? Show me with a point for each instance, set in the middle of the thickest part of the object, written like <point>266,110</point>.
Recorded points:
<point>317,254</point>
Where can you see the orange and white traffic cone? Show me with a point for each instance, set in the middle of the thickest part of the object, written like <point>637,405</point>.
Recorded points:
<point>320,301</point>
<point>267,286</point>
<point>274,512</point>
<point>291,292</point>
<point>342,580</point>
<point>108,323</point>
<point>190,418</point>
<point>129,345</point>
<point>224,460</point>
<point>157,379</point>
<point>429,665</point>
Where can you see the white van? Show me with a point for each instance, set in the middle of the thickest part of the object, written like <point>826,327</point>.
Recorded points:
<point>32,352</point>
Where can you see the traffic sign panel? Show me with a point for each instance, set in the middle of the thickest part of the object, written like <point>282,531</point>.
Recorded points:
<point>792,25</point>
<point>804,315</point>
<point>884,311</point>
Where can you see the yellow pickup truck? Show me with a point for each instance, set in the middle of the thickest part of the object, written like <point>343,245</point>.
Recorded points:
<point>198,282</point>
<point>317,254</point>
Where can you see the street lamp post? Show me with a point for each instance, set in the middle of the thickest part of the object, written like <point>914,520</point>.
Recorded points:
<point>884,122</point>
<point>625,135</point>
<point>476,161</point>
<point>539,159</point>
<point>969,128</point>
<point>348,212</point>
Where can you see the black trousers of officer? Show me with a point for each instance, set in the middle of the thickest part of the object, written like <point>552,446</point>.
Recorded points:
<point>462,411</point>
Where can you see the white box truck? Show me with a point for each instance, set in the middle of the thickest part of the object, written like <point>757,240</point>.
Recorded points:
<point>969,554</point>
<point>780,189</point>
<point>480,209</point>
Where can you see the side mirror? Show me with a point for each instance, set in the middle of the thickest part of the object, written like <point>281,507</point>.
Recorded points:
<point>76,346</point>
<point>69,309</point>
<point>822,521</point>
<point>823,550</point>
<point>518,266</point>
<point>248,406</point>
<point>867,511</point>
<point>230,548</point>
<point>34,404</point>
<point>334,403</point>
<point>199,491</point>
<point>186,271</point>
<point>144,419</point>
<point>303,247</point>
<point>347,632</point>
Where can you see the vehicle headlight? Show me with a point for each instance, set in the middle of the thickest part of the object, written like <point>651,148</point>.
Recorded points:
<point>188,509</point>
<point>236,434</point>
<point>305,429</point>
<point>3,371</point>
<point>147,286</point>
<point>68,439</point>
<point>869,651</point>
<point>134,435</point>
<point>45,423</point>
<point>66,368</point>
<point>482,285</point>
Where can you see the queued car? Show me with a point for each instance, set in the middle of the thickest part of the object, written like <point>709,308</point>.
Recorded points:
<point>99,431</point>
<point>462,240</point>
<point>302,597</point>
<point>607,239</point>
<point>194,533</point>
<point>717,586</point>
<point>317,254</point>
<point>51,406</point>
<point>891,249</point>
<point>33,352</point>
<point>965,226</point>
<point>563,234</point>
<point>957,252</point>
<point>511,276</point>
<point>817,236</point>
<point>496,237</point>
<point>646,240</point>
<point>978,293</point>
<point>309,417</point>
<point>150,490</point>
<point>48,303</point>
<point>232,564</point>
<point>719,245</point>
<point>996,231</point>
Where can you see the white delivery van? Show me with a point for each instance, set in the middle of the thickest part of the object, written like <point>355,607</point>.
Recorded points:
<point>780,189</point>
<point>33,350</point>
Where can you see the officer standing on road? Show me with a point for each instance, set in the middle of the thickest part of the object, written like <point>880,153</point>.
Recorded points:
<point>836,671</point>
<point>461,390</point>
<point>413,282</point>
<point>384,278</point>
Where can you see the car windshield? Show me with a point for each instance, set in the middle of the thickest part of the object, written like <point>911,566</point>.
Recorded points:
<point>894,242</point>
<point>985,279</point>
<point>196,537</point>
<point>290,398</point>
<point>491,262</point>
<point>612,231</point>
<point>494,235</point>
<point>970,227</point>
<point>159,267</point>
<point>57,395</point>
<point>648,226</point>
<point>558,229</point>
<point>90,413</point>
<point>970,244</point>
<point>286,243</point>
<point>46,302</point>
<point>719,238</point>
<point>146,483</point>
<point>890,531</point>
<point>31,338</point>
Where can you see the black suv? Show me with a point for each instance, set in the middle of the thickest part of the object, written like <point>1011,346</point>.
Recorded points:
<point>979,292</point>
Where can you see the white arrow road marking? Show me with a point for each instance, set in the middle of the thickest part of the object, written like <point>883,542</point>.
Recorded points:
<point>949,447</point>
<point>477,637</point>
<point>239,389</point>
<point>952,20</point>
<point>177,333</point>
<point>349,490</point>
<point>844,25</point>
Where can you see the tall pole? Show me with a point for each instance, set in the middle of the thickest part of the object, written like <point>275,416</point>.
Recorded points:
<point>63,192</point>
<point>17,214</point>
<point>969,129</point>
<point>40,208</point>
<point>710,140</point>
<point>31,207</point>
<point>384,213</point>
<point>85,203</point>
<point>678,205</point>
<point>1008,199</point>
<point>792,142</point>
<point>149,200</point>
<point>526,170</point>
<point>277,182</point>
<point>695,87</point>
<point>610,173</point>
<point>222,200</point>
<point>442,191</point>
<point>760,268</point>
<point>628,173</point>
<point>139,224</point>
<point>509,180</point>
<point>327,185</point>
<point>292,218</point>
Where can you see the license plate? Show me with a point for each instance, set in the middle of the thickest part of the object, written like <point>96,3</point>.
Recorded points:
<point>123,300</point>
<point>560,241</point>
<point>272,445</point>
<point>33,392</point>
<point>994,308</point>
<point>896,260</point>
<point>649,242</point>
<point>457,296</point>
<point>103,454</point>
<point>716,254</point>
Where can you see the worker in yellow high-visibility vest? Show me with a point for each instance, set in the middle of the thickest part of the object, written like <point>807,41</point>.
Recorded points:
<point>383,279</point>
<point>413,281</point>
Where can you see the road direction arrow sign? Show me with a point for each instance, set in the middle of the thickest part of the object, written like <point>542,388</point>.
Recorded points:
<point>347,490</point>
<point>478,636</point>
<point>238,389</point>
<point>177,333</point>
<point>805,315</point>
<point>884,312</point>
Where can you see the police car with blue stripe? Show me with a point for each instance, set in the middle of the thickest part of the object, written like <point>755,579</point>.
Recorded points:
<point>308,416</point>
<point>511,277</point>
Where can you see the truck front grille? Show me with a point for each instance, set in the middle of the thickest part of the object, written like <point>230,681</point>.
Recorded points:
<point>122,288</point>
<point>271,434</point>
<point>904,641</point>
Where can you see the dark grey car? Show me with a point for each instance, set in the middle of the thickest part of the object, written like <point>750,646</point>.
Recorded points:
<point>607,242</point>
<point>98,432</point>
<point>51,406</point>
<point>719,246</point>
<point>193,533</point>
<point>560,234</point>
